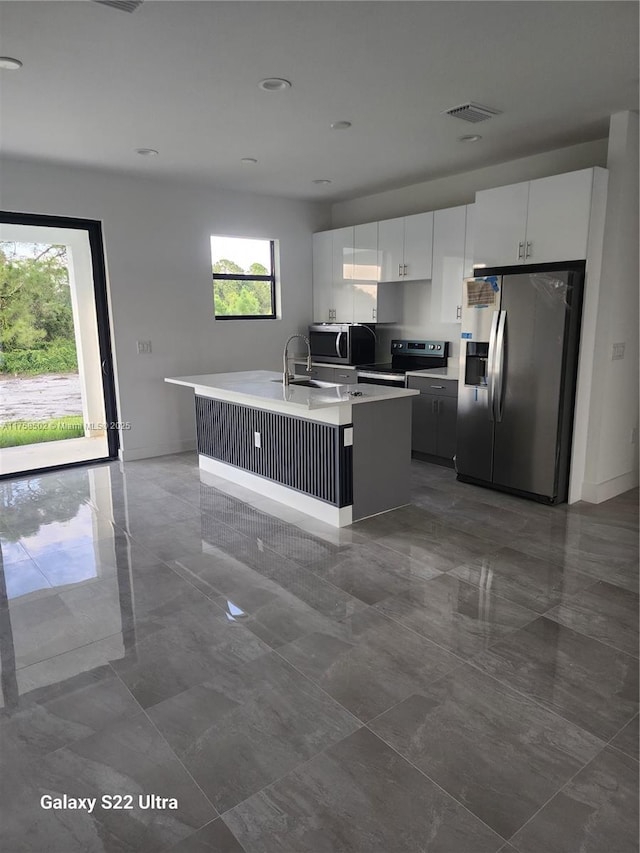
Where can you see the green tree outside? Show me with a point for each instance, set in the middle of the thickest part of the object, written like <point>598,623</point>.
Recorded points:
<point>237,297</point>
<point>36,317</point>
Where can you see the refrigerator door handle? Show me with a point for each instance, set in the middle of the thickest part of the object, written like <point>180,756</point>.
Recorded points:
<point>491,375</point>
<point>499,366</point>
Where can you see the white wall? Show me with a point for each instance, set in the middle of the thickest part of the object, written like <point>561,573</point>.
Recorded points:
<point>156,235</point>
<point>461,188</point>
<point>611,463</point>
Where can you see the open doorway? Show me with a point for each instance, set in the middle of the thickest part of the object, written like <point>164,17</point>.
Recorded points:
<point>57,398</point>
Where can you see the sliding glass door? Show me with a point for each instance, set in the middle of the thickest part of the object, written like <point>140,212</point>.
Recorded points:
<point>57,399</point>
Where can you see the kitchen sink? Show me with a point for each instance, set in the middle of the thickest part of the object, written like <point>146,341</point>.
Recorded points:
<point>310,383</point>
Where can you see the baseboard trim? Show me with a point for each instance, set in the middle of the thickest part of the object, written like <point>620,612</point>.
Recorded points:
<point>149,451</point>
<point>596,493</point>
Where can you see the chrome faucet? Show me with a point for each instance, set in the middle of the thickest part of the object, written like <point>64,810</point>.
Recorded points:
<point>286,377</point>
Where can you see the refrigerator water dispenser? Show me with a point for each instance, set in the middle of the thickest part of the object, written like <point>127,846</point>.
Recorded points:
<point>475,370</point>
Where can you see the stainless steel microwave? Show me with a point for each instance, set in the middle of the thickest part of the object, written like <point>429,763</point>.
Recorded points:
<point>342,343</point>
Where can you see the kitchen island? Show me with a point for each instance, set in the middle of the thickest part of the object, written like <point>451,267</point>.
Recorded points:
<point>337,452</point>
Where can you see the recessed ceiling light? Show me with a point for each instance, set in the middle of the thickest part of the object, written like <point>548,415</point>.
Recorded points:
<point>249,160</point>
<point>9,63</point>
<point>147,152</point>
<point>321,181</point>
<point>340,125</point>
<point>472,137</point>
<point>274,84</point>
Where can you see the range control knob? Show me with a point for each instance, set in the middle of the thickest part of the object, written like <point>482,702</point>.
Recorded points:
<point>431,346</point>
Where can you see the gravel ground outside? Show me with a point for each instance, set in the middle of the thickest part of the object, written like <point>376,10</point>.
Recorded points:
<point>39,398</point>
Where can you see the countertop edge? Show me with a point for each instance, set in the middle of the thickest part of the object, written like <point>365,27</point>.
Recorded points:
<point>306,404</point>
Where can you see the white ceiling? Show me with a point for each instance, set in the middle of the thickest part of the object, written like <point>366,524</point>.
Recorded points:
<point>182,77</point>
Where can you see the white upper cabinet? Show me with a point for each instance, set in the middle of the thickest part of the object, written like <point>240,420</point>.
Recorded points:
<point>366,259</point>
<point>391,248</point>
<point>366,271</point>
<point>558,217</point>
<point>332,276</point>
<point>346,268</point>
<point>534,222</point>
<point>468,242</point>
<point>500,225</point>
<point>343,274</point>
<point>323,276</point>
<point>406,245</point>
<point>418,247</point>
<point>541,221</point>
<point>449,229</point>
<point>372,302</point>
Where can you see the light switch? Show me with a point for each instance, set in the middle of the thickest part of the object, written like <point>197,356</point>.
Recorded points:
<point>617,352</point>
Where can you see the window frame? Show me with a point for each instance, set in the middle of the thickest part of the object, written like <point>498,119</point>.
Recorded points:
<point>246,277</point>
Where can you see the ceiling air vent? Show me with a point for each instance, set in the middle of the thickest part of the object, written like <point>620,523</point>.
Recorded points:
<point>123,5</point>
<point>472,112</point>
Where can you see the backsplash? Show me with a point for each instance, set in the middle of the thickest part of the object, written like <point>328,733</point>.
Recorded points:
<point>420,315</point>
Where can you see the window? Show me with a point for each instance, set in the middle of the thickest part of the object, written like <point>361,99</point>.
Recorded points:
<point>244,279</point>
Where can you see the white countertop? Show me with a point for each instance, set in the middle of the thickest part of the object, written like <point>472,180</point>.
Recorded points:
<point>264,388</point>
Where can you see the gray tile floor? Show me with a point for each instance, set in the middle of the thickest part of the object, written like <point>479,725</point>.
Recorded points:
<point>457,676</point>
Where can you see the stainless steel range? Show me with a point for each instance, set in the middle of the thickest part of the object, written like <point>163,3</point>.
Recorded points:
<point>405,356</point>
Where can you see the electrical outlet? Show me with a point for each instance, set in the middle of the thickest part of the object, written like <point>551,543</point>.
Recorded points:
<point>617,352</point>
<point>257,439</point>
<point>144,347</point>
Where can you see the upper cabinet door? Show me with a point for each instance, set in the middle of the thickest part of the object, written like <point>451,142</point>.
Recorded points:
<point>391,249</point>
<point>343,274</point>
<point>418,247</point>
<point>448,260</point>
<point>366,271</point>
<point>468,241</point>
<point>323,276</point>
<point>500,224</point>
<point>366,260</point>
<point>558,219</point>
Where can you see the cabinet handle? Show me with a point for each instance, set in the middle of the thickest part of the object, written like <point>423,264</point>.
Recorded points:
<point>399,269</point>
<point>404,268</point>
<point>437,386</point>
<point>520,250</point>
<point>458,312</point>
<point>528,252</point>
<point>434,407</point>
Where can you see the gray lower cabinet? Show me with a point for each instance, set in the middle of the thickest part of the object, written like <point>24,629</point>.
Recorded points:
<point>435,412</point>
<point>328,374</point>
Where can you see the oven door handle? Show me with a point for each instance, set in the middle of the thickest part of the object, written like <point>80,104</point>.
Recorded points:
<point>388,378</point>
<point>338,336</point>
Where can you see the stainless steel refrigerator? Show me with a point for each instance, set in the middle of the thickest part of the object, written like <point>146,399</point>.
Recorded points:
<point>518,363</point>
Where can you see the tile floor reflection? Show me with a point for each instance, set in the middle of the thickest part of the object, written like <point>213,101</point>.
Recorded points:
<point>456,676</point>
